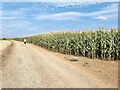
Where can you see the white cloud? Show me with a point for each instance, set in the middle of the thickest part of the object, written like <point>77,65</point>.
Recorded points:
<point>9,18</point>
<point>21,12</point>
<point>25,11</point>
<point>60,16</point>
<point>103,12</point>
<point>6,15</point>
<point>12,13</point>
<point>107,17</point>
<point>73,4</point>
<point>107,12</point>
<point>101,18</point>
<point>0,13</point>
<point>0,6</point>
<point>60,1</point>
<point>75,15</point>
<point>111,6</point>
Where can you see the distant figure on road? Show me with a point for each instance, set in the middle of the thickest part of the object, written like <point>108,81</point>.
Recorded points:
<point>25,41</point>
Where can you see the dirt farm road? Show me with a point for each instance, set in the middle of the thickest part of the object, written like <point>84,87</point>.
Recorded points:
<point>30,66</point>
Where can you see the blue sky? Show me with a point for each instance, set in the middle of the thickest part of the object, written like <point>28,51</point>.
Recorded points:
<point>29,18</point>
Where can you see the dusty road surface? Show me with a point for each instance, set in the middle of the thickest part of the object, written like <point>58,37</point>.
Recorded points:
<point>29,66</point>
<point>4,45</point>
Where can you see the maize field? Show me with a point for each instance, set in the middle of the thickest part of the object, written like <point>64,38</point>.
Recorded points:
<point>100,43</point>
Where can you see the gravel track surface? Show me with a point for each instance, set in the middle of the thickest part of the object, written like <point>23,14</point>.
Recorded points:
<point>30,66</point>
